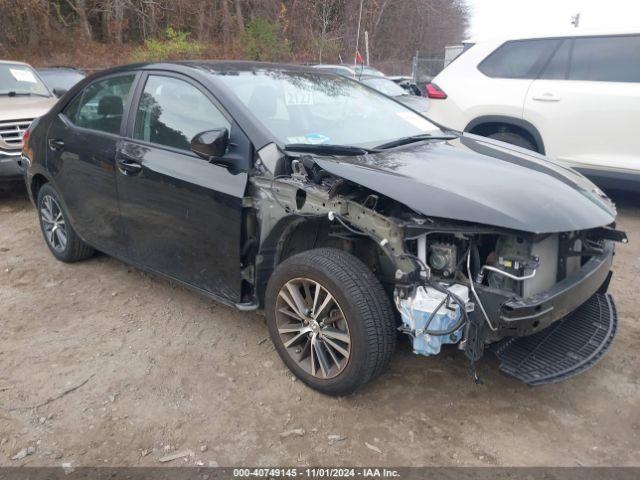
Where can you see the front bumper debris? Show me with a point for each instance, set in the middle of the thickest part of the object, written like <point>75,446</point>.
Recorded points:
<point>568,347</point>
<point>526,316</point>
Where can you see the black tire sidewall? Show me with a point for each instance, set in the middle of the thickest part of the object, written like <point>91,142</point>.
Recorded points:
<point>355,372</point>
<point>513,139</point>
<point>65,254</point>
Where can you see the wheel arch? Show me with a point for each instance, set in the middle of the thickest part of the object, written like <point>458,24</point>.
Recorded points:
<point>295,234</point>
<point>489,123</point>
<point>35,184</point>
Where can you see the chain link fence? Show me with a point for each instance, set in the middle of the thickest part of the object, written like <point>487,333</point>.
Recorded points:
<point>425,68</point>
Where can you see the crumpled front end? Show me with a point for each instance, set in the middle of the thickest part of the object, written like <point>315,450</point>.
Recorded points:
<point>523,293</point>
<point>479,287</point>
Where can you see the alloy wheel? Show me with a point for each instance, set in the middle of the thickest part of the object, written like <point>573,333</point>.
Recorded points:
<point>313,328</point>
<point>54,226</point>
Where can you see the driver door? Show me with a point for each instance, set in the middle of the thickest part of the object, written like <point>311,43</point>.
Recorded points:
<point>181,214</point>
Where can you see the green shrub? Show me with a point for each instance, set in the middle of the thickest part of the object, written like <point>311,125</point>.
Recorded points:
<point>261,40</point>
<point>175,45</point>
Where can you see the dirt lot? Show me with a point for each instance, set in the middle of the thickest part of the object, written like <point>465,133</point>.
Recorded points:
<point>101,364</point>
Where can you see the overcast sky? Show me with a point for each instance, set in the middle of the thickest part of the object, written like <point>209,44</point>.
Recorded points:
<point>491,18</point>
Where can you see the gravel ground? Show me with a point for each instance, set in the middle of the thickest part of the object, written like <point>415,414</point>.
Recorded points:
<point>101,364</point>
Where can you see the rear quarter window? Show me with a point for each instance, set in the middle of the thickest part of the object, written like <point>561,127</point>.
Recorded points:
<point>518,59</point>
<point>606,59</point>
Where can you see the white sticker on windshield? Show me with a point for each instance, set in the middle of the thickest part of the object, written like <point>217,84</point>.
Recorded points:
<point>23,75</point>
<point>310,139</point>
<point>416,120</point>
<point>297,96</point>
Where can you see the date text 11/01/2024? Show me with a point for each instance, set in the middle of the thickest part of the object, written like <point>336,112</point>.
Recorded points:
<point>316,472</point>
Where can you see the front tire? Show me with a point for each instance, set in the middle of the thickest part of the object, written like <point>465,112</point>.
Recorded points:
<point>59,235</point>
<point>330,320</point>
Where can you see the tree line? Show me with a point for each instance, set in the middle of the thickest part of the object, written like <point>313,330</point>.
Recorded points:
<point>286,30</point>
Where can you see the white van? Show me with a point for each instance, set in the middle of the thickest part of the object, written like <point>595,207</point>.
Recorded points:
<point>573,97</point>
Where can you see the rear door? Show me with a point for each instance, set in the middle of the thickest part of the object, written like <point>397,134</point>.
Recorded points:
<point>510,70</point>
<point>182,214</point>
<point>587,100</point>
<point>82,142</point>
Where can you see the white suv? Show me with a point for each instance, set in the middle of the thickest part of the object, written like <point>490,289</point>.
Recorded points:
<point>574,97</point>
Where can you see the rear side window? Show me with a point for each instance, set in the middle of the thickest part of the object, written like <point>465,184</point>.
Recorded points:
<point>101,105</point>
<point>606,59</point>
<point>518,59</point>
<point>558,66</point>
<point>171,112</point>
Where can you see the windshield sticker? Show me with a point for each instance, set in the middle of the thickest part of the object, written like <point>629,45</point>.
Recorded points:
<point>297,96</point>
<point>416,120</point>
<point>23,75</point>
<point>309,139</point>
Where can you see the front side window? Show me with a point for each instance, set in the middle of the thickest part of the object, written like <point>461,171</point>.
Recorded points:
<point>171,112</point>
<point>518,59</point>
<point>606,59</point>
<point>101,105</point>
<point>318,108</point>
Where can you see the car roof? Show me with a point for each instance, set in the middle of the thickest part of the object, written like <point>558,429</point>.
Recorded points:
<point>59,67</point>
<point>559,34</point>
<point>12,62</point>
<point>210,66</point>
<point>333,65</point>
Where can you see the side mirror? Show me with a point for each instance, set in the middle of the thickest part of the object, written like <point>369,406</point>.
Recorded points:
<point>211,145</point>
<point>59,92</point>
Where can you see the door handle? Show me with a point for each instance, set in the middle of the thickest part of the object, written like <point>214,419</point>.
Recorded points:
<point>55,144</point>
<point>547,97</point>
<point>128,165</point>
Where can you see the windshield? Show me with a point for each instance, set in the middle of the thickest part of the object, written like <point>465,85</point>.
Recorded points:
<point>385,86</point>
<point>21,80</point>
<point>318,108</point>
<point>60,79</point>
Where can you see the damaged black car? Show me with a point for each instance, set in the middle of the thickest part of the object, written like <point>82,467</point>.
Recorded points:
<point>344,215</point>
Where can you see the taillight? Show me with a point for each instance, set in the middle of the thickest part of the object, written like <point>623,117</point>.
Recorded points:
<point>434,91</point>
<point>25,135</point>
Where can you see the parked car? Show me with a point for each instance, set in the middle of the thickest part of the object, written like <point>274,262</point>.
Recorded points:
<point>60,79</point>
<point>328,204</point>
<point>407,83</point>
<point>368,70</point>
<point>392,89</point>
<point>575,98</point>
<point>23,97</point>
<point>353,71</point>
<point>343,70</point>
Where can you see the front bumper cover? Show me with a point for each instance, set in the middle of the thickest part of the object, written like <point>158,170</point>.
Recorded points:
<point>566,348</point>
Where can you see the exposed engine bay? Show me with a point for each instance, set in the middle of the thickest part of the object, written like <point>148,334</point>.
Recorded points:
<point>453,282</point>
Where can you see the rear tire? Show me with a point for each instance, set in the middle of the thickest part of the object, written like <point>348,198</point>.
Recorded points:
<point>514,139</point>
<point>59,235</point>
<point>359,312</point>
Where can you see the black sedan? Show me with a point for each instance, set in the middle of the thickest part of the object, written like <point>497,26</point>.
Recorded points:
<point>343,214</point>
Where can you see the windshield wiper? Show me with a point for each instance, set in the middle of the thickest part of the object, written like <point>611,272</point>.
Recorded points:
<point>327,149</point>
<point>414,139</point>
<point>13,93</point>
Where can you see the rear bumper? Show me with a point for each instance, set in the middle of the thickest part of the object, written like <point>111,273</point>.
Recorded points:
<point>9,168</point>
<point>520,317</point>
